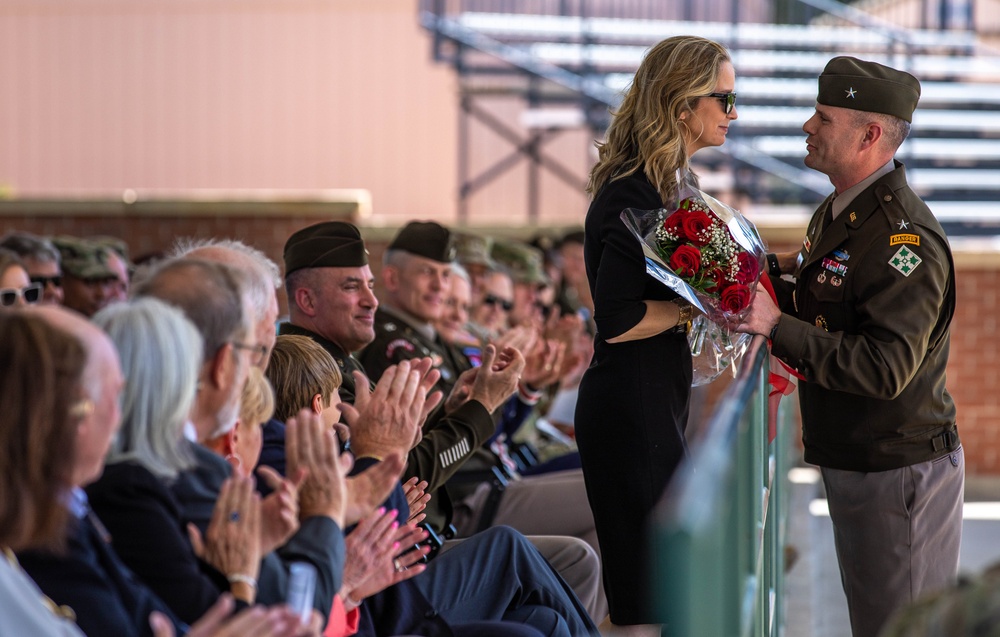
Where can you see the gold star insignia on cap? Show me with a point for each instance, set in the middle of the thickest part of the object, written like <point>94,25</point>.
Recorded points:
<point>851,92</point>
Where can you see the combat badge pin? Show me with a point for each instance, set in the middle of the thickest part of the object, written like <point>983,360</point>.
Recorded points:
<point>905,261</point>
<point>821,322</point>
<point>836,281</point>
<point>821,279</point>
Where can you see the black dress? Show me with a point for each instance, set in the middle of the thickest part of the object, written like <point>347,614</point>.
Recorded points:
<point>634,400</point>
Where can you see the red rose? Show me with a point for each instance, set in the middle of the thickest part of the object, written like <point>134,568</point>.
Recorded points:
<point>714,280</point>
<point>685,261</point>
<point>749,268</point>
<point>734,298</point>
<point>696,224</point>
<point>673,223</point>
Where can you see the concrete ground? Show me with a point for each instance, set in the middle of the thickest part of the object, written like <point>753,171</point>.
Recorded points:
<point>814,600</point>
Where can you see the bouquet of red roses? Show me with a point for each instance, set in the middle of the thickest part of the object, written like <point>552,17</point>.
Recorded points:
<point>712,256</point>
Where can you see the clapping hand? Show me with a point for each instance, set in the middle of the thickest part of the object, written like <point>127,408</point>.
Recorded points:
<point>232,540</point>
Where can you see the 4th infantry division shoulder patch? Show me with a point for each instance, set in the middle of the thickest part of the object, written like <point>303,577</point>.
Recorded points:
<point>905,260</point>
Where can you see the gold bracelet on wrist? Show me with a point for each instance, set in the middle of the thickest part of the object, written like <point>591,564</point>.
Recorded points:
<point>684,312</point>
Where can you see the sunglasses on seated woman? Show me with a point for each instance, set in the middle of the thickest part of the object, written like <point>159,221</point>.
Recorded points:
<point>728,100</point>
<point>31,295</point>
<point>496,300</point>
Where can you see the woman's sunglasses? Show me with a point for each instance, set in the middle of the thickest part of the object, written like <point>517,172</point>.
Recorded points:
<point>31,294</point>
<point>728,100</point>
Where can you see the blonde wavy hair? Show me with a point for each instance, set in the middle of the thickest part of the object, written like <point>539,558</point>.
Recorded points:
<point>647,131</point>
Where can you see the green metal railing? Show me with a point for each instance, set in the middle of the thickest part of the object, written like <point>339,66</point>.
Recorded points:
<point>720,529</point>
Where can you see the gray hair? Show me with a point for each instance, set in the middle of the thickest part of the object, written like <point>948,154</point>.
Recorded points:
<point>160,353</point>
<point>210,295</point>
<point>263,274</point>
<point>460,272</point>
<point>30,246</point>
<point>895,130</point>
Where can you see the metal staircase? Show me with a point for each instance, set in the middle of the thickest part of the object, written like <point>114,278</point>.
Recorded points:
<point>572,59</point>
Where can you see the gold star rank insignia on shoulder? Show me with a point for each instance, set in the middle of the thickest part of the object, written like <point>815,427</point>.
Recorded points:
<point>905,261</point>
<point>903,225</point>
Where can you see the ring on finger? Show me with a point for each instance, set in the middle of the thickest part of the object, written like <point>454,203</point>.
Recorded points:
<point>234,516</point>
<point>399,567</point>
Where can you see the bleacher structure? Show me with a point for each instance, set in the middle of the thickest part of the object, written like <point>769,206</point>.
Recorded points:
<point>571,59</point>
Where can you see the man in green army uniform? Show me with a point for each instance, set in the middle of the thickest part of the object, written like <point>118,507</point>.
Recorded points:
<point>417,277</point>
<point>94,272</point>
<point>866,324</point>
<point>329,285</point>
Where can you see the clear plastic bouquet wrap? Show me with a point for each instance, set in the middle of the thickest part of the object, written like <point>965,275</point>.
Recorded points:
<point>712,256</point>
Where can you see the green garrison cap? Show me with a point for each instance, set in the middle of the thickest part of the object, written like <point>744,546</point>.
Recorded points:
<point>82,258</point>
<point>330,244</point>
<point>524,262</point>
<point>867,86</point>
<point>426,239</point>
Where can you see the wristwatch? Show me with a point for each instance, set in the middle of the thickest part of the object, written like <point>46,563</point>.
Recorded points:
<point>773,268</point>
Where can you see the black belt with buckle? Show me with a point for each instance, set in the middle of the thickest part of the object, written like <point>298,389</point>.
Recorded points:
<point>945,441</point>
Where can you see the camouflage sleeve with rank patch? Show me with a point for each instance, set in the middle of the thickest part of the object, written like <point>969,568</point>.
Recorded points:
<point>869,311</point>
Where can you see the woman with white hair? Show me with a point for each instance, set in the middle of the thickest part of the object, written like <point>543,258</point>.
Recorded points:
<point>160,353</point>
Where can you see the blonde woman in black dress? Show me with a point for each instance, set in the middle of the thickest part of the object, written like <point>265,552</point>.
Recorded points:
<point>634,398</point>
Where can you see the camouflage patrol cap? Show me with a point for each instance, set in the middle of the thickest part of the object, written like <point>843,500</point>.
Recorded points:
<point>82,258</point>
<point>426,239</point>
<point>524,262</point>
<point>848,82</point>
<point>473,249</point>
<point>112,243</point>
<point>330,244</point>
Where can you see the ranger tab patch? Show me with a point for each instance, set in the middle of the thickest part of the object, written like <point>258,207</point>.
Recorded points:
<point>905,260</point>
<point>897,239</point>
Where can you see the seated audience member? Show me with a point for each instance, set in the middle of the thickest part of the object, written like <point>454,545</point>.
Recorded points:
<point>213,297</point>
<point>91,274</point>
<point>89,577</point>
<point>472,252</point>
<point>69,367</point>
<point>490,312</point>
<point>16,289</point>
<point>119,263</point>
<point>392,603</point>
<point>525,265</point>
<point>132,497</point>
<point>241,447</point>
<point>41,260</point>
<point>40,390</point>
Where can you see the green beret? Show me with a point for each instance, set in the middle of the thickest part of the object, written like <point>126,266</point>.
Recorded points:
<point>426,239</point>
<point>330,244</point>
<point>524,262</point>
<point>867,86</point>
<point>472,249</point>
<point>83,259</point>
